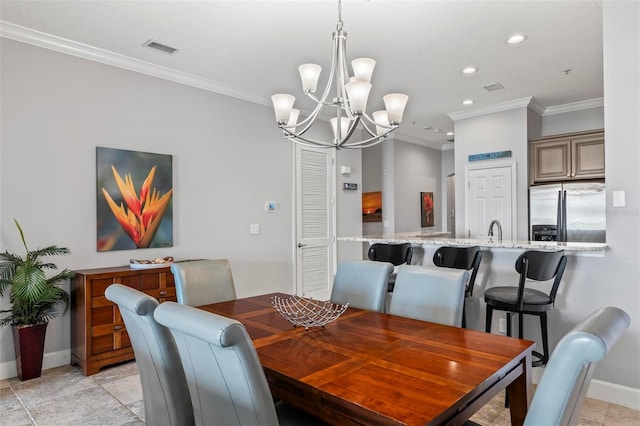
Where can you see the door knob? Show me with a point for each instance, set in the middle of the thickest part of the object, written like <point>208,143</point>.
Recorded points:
<point>300,245</point>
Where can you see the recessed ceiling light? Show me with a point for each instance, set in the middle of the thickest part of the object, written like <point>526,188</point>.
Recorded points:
<point>469,70</point>
<point>467,102</point>
<point>517,38</point>
<point>449,133</point>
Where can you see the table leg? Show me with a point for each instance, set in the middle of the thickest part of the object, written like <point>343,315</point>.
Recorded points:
<point>519,392</point>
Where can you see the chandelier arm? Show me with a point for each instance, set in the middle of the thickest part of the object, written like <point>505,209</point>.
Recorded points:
<point>371,133</point>
<point>372,121</point>
<point>318,100</point>
<point>352,128</point>
<point>343,74</point>
<point>367,142</point>
<point>299,139</point>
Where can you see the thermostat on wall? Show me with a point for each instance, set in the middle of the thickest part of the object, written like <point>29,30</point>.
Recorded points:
<point>270,206</point>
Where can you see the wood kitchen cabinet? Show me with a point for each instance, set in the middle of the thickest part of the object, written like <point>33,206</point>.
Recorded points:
<point>573,156</point>
<point>98,335</point>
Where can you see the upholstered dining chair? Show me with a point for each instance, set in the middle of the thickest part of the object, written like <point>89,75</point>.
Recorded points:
<point>201,282</point>
<point>226,381</point>
<point>467,258</point>
<point>531,265</point>
<point>164,386</point>
<point>396,254</point>
<point>429,294</point>
<point>362,284</point>
<point>561,391</point>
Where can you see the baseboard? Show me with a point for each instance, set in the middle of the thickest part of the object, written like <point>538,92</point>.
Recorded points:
<point>604,391</point>
<point>50,360</point>
<point>616,394</point>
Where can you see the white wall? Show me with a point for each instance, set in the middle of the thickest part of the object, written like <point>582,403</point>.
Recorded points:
<point>574,121</point>
<point>228,159</point>
<point>498,131</point>
<point>416,169</point>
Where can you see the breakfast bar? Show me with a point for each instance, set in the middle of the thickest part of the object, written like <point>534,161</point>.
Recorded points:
<point>498,269</point>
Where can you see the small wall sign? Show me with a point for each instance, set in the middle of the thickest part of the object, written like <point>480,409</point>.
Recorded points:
<point>490,155</point>
<point>350,186</point>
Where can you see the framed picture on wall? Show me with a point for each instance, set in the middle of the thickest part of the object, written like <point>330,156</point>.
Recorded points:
<point>372,206</point>
<point>134,196</point>
<point>426,209</point>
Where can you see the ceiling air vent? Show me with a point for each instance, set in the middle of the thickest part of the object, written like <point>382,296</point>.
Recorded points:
<point>493,86</point>
<point>151,44</point>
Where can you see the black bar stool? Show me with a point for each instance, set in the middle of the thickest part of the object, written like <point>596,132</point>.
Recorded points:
<point>397,254</point>
<point>533,265</point>
<point>467,258</point>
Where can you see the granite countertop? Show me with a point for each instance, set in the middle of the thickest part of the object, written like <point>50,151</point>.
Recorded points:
<point>442,238</point>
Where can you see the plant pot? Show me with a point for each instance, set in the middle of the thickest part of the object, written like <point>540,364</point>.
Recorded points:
<point>28,342</point>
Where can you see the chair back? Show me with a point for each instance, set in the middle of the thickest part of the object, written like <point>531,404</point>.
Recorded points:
<point>164,386</point>
<point>226,381</point>
<point>467,258</point>
<point>201,282</point>
<point>540,266</point>
<point>397,254</point>
<point>362,284</point>
<point>429,294</point>
<point>560,393</point>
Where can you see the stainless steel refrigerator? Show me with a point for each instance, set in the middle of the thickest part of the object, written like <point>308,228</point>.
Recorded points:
<point>571,212</point>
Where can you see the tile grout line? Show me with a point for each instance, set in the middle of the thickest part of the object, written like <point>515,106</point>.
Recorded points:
<point>120,402</point>
<point>26,410</point>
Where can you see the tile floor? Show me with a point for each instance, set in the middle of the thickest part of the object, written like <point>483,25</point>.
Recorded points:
<point>63,396</point>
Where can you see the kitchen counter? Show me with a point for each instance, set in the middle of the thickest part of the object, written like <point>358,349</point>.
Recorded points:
<point>442,238</point>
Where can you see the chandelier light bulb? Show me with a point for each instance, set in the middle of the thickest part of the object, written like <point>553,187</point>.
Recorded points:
<point>382,119</point>
<point>395,103</point>
<point>309,74</point>
<point>293,120</point>
<point>363,68</point>
<point>282,105</point>
<point>358,93</point>
<point>344,127</point>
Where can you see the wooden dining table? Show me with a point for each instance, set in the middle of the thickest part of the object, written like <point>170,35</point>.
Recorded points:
<point>380,369</point>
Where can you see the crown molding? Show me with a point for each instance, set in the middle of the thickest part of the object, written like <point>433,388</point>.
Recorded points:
<point>490,109</point>
<point>47,41</point>
<point>574,106</point>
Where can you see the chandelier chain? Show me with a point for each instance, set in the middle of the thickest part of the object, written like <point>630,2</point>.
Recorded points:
<point>339,24</point>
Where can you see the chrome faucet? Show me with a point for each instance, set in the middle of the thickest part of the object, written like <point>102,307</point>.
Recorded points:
<point>495,222</point>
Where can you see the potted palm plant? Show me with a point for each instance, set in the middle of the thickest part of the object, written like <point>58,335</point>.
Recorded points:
<point>34,301</point>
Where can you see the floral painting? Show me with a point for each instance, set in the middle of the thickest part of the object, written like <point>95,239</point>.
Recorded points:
<point>135,208</point>
<point>426,209</point>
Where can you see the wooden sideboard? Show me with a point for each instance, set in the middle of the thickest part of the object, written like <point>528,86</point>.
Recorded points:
<point>98,335</point>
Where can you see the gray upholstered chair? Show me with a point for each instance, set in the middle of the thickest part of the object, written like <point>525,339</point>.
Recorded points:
<point>429,294</point>
<point>201,282</point>
<point>164,386</point>
<point>560,393</point>
<point>362,283</point>
<point>226,381</point>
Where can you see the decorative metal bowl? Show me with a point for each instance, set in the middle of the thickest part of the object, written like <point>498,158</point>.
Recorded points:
<point>307,313</point>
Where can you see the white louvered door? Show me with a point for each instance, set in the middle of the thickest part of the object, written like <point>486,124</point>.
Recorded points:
<point>314,222</point>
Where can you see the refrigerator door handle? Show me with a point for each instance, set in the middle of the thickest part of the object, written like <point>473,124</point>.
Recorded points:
<point>559,223</point>
<point>564,216</point>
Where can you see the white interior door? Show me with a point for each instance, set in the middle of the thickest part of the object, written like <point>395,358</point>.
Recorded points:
<point>315,202</point>
<point>490,195</point>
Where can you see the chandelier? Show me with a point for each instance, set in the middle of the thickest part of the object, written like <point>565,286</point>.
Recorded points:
<point>350,101</point>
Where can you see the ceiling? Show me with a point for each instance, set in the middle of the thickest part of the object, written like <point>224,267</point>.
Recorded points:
<point>254,47</point>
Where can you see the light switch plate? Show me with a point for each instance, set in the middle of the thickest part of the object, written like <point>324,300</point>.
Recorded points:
<point>619,199</point>
<point>255,228</point>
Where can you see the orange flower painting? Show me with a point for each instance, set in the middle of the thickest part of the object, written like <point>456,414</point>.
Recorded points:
<point>129,218</point>
<point>426,209</point>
